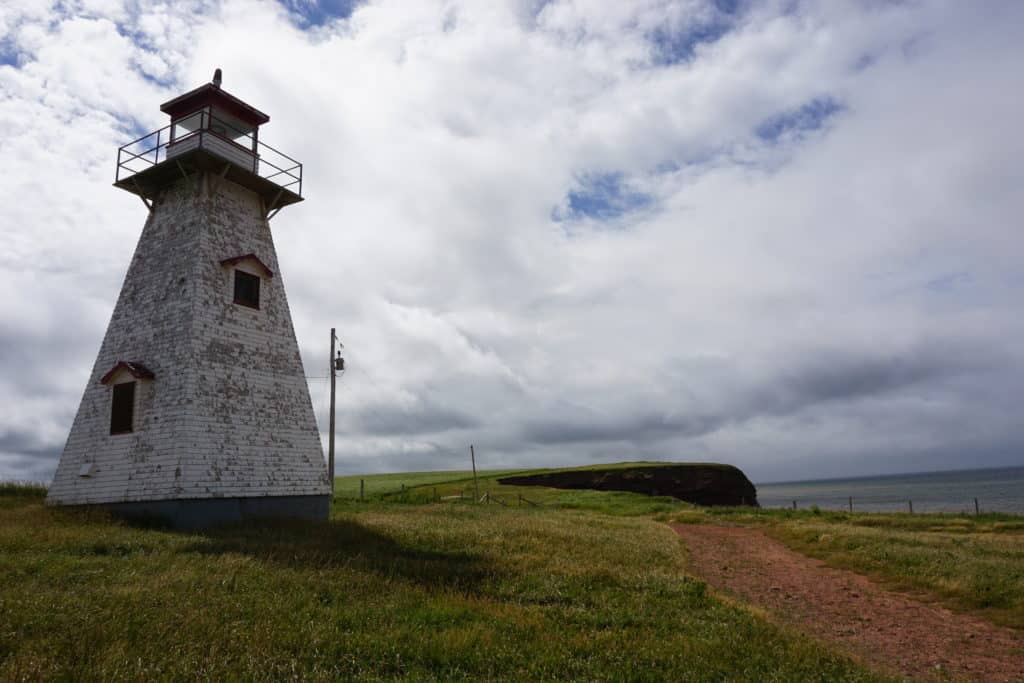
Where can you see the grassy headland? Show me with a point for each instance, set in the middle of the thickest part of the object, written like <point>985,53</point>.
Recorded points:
<point>385,590</point>
<point>426,487</point>
<point>969,563</point>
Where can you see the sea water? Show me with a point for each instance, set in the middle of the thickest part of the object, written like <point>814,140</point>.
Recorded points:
<point>997,490</point>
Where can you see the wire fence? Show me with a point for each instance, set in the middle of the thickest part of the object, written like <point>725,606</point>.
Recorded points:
<point>908,504</point>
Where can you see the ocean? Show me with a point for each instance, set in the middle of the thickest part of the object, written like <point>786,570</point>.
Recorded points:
<point>997,490</point>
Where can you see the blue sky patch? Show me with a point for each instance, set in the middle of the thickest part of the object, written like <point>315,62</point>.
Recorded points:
<point>676,46</point>
<point>8,53</point>
<point>808,117</point>
<point>603,197</point>
<point>680,46</point>
<point>320,12</point>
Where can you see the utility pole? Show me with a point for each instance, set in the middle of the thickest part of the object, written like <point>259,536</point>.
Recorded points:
<point>330,437</point>
<point>472,459</point>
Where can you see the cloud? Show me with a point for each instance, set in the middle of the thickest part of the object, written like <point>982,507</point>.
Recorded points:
<point>775,234</point>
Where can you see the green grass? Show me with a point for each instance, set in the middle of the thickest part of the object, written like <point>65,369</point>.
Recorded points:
<point>422,487</point>
<point>377,485</point>
<point>970,563</point>
<point>385,590</point>
<point>22,489</point>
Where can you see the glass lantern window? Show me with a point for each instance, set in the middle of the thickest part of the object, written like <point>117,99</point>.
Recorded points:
<point>188,124</point>
<point>232,129</point>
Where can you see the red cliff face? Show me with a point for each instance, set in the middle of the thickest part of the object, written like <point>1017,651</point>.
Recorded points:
<point>702,484</point>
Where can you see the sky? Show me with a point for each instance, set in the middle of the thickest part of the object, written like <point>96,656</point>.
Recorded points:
<point>784,235</point>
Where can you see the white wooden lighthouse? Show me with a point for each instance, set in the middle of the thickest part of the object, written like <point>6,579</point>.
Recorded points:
<point>197,409</point>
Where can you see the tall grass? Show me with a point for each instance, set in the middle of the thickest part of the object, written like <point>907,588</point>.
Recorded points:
<point>22,488</point>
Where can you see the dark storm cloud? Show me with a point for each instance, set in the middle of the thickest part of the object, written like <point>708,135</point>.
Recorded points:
<point>426,417</point>
<point>634,428</point>
<point>820,378</point>
<point>837,376</point>
<point>408,462</point>
<point>27,444</point>
<point>24,458</point>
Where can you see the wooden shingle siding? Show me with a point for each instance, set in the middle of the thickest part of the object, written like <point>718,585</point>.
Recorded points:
<point>228,411</point>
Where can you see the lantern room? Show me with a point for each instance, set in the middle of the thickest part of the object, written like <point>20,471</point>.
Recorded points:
<point>210,132</point>
<point>223,122</point>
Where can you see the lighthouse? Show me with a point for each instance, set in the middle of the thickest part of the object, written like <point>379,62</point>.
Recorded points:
<point>197,409</point>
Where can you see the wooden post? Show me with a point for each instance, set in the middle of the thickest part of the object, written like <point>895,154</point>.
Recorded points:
<point>851,503</point>
<point>362,488</point>
<point>977,510</point>
<point>794,505</point>
<point>910,504</point>
<point>436,499</point>
<point>472,460</point>
<point>520,500</point>
<point>330,436</point>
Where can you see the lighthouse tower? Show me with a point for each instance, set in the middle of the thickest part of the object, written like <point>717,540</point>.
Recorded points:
<point>197,409</point>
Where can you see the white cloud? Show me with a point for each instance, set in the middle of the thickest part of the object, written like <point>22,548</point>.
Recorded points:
<point>808,301</point>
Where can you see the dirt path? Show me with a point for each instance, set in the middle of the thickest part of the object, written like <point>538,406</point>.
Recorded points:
<point>887,629</point>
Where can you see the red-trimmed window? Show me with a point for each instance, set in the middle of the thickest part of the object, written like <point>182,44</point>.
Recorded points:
<point>122,408</point>
<point>247,289</point>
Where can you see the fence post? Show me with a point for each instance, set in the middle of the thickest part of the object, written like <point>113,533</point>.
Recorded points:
<point>977,510</point>
<point>520,500</point>
<point>851,503</point>
<point>794,505</point>
<point>436,499</point>
<point>362,489</point>
<point>910,504</point>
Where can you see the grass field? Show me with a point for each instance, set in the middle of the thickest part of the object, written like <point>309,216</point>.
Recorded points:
<point>377,485</point>
<point>589,585</point>
<point>969,563</point>
<point>425,487</point>
<point>385,590</point>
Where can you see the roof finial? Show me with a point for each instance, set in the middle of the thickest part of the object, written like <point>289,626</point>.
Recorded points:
<point>217,77</point>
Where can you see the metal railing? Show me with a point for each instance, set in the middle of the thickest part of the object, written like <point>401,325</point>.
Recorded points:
<point>243,149</point>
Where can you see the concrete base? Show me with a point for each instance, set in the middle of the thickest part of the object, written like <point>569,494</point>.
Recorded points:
<point>198,513</point>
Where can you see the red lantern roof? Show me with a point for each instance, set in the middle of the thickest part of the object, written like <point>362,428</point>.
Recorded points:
<point>210,94</point>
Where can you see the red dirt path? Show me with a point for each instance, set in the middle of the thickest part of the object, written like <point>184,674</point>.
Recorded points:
<point>890,631</point>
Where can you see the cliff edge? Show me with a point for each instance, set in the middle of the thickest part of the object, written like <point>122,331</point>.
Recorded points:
<point>702,484</point>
